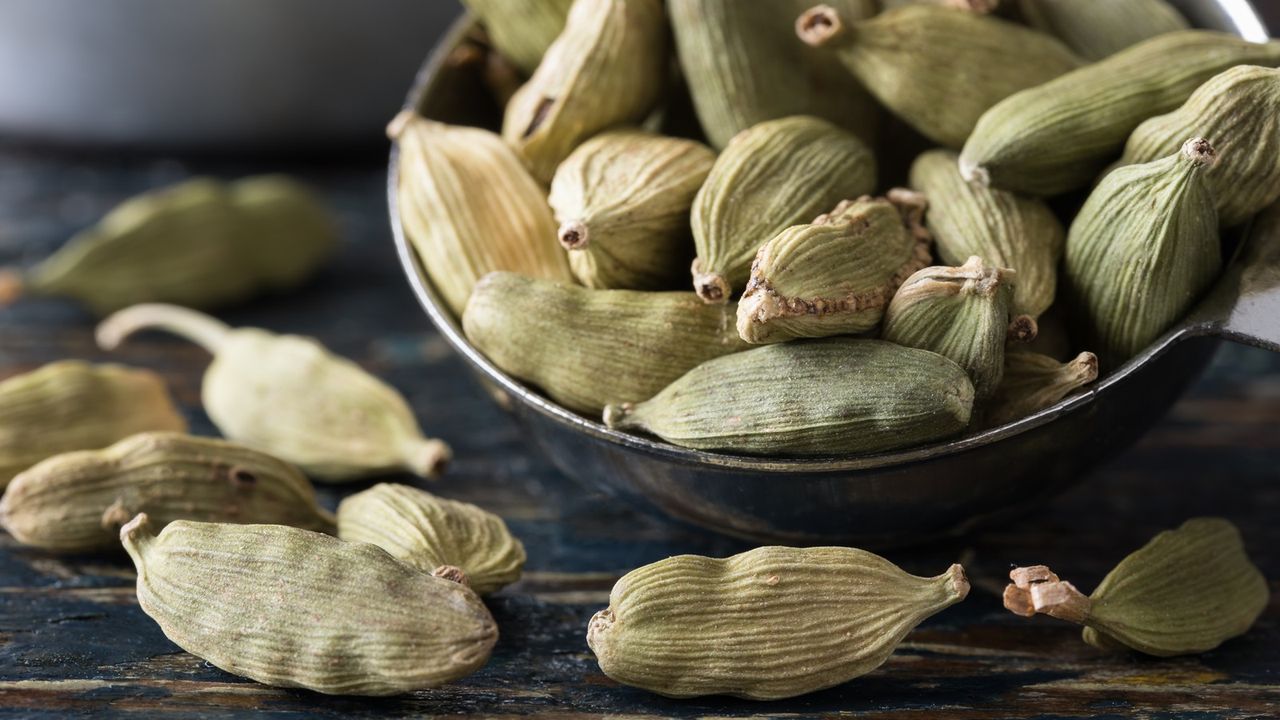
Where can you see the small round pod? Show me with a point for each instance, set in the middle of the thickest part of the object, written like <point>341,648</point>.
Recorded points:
<point>1033,382</point>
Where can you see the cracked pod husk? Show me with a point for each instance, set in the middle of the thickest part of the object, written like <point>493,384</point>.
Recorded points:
<point>1002,228</point>
<point>771,623</point>
<point>1033,382</point>
<point>622,200</point>
<point>470,207</point>
<point>289,396</point>
<point>77,501</point>
<point>607,68</point>
<point>770,177</point>
<point>71,405</point>
<point>1097,29</point>
<point>1185,592</point>
<point>1057,137</point>
<point>817,397</point>
<point>522,30</point>
<point>294,608</point>
<point>434,535</point>
<point>834,276</point>
<point>1239,110</point>
<point>938,68</point>
<point>1143,249</point>
<point>586,348</point>
<point>201,243</point>
<point>744,66</point>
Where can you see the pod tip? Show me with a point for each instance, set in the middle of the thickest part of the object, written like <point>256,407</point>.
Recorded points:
<point>974,173</point>
<point>429,458</point>
<point>712,287</point>
<point>819,25</point>
<point>574,235</point>
<point>1200,151</point>
<point>400,123</point>
<point>452,573</point>
<point>614,415</point>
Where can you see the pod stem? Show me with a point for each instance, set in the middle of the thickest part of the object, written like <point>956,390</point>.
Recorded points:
<point>819,25</point>
<point>427,457</point>
<point>712,287</point>
<point>1200,152</point>
<point>615,415</point>
<point>197,327</point>
<point>959,581</point>
<point>12,286</point>
<point>452,573</point>
<point>136,535</point>
<point>1037,590</point>
<point>574,235</point>
<point>1023,329</point>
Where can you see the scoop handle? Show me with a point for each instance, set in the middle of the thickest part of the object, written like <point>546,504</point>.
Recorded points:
<point>1245,306</point>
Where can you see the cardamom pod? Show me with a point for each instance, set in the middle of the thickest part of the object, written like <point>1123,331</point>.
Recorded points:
<point>72,405</point>
<point>1097,29</point>
<point>77,501</point>
<point>976,6</point>
<point>469,207</point>
<point>294,608</point>
<point>1005,229</point>
<point>1143,249</point>
<point>1240,111</point>
<point>744,66</point>
<point>822,397</point>
<point>586,348</point>
<point>201,243</point>
<point>434,535</point>
<point>770,177</point>
<point>835,275</point>
<point>1033,382</point>
<point>606,68</point>
<point>622,200</point>
<point>1057,137</point>
<point>521,30</point>
<point>771,623</point>
<point>937,68</point>
<point>1185,592</point>
<point>289,396</point>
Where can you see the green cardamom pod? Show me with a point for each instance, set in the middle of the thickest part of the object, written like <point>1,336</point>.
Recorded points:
<point>744,66</point>
<point>835,275</point>
<point>1097,29</point>
<point>938,68</point>
<point>607,68</point>
<point>294,608</point>
<point>77,501</point>
<point>439,536</point>
<point>289,396</point>
<point>1057,137</point>
<point>1185,592</point>
<point>1240,111</point>
<point>469,207</point>
<point>771,623</point>
<point>521,30</point>
<point>820,397</point>
<point>976,6</point>
<point>770,177</point>
<point>1005,229</point>
<point>72,405</point>
<point>1143,249</point>
<point>587,348</point>
<point>201,243</point>
<point>622,200</point>
<point>1033,382</point>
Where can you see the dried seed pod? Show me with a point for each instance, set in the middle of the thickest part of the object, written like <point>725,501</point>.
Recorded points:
<point>1004,229</point>
<point>937,68</point>
<point>469,207</point>
<point>622,200</point>
<point>1185,592</point>
<point>289,396</point>
<point>1143,249</point>
<point>607,68</point>
<point>522,30</point>
<point>976,6</point>
<point>835,275</point>
<point>821,397</point>
<point>772,176</point>
<point>434,535</point>
<point>1097,29</point>
<point>77,501</point>
<point>1057,137</point>
<point>721,44</point>
<point>72,405</point>
<point>201,243</point>
<point>293,608</point>
<point>771,623</point>
<point>1240,111</point>
<point>586,348</point>
<point>1033,382</point>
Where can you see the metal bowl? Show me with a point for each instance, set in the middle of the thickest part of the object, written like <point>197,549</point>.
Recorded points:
<point>890,498</point>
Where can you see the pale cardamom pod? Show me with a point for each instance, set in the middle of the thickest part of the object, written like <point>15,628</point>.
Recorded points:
<point>587,348</point>
<point>1185,592</point>
<point>289,396</point>
<point>938,68</point>
<point>1057,137</point>
<point>77,501</point>
<point>770,177</point>
<point>521,30</point>
<point>72,405</point>
<point>771,623</point>
<point>1097,29</point>
<point>622,200</point>
<point>834,276</point>
<point>434,535</point>
<point>294,608</point>
<point>820,397</point>
<point>1033,382</point>
<point>470,207</point>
